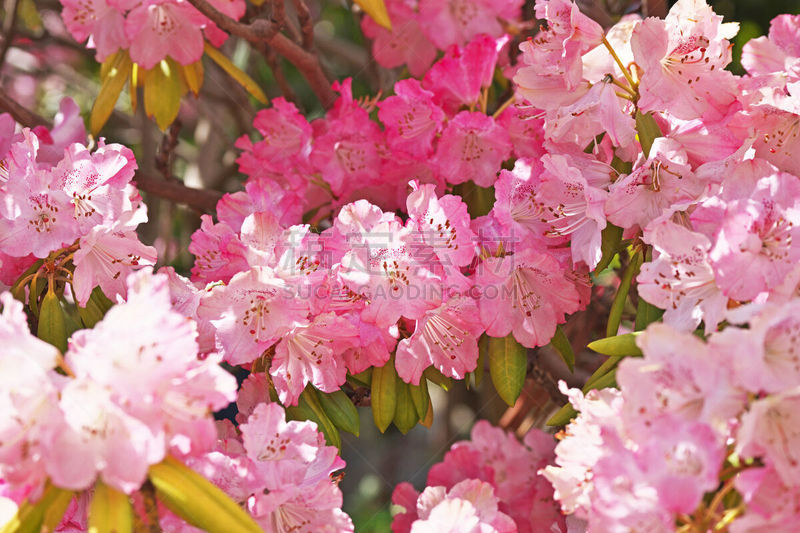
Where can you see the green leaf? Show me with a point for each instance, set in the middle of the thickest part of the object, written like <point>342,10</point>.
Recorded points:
<point>362,379</point>
<point>236,73</point>
<point>198,501</point>
<point>421,397</point>
<point>384,394</point>
<point>405,413</point>
<point>377,10</point>
<point>42,515</point>
<point>508,364</point>
<point>617,345</point>
<point>647,130</point>
<point>438,378</point>
<point>615,314</point>
<point>52,327</point>
<point>163,89</point>
<point>646,313</point>
<point>561,344</point>
<point>310,408</point>
<point>483,348</point>
<point>114,72</point>
<point>110,511</point>
<point>340,410</point>
<point>609,245</point>
<point>96,308</point>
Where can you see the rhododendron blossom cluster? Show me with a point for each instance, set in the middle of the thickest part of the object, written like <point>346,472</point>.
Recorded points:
<point>512,178</point>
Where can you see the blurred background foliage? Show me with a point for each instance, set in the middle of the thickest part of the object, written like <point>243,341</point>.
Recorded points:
<point>45,64</point>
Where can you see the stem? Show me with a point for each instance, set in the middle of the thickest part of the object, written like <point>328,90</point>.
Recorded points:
<point>505,105</point>
<point>623,87</point>
<point>619,63</point>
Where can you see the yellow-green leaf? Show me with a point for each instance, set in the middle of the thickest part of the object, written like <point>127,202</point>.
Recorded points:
<point>52,326</point>
<point>110,511</point>
<point>483,347</point>
<point>561,344</point>
<point>647,130</point>
<point>508,363</point>
<point>421,397</point>
<point>236,73</point>
<point>193,76</point>
<point>42,515</point>
<point>340,410</point>
<point>428,420</point>
<point>309,408</point>
<point>198,501</point>
<point>384,394</point>
<point>114,73</point>
<point>618,305</point>
<point>438,378</point>
<point>405,413</point>
<point>610,239</point>
<point>163,89</point>
<point>377,10</point>
<point>617,345</point>
<point>96,308</point>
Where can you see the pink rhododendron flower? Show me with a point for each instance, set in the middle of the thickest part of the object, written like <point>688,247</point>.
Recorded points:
<point>157,28</point>
<point>526,294</point>
<point>99,21</point>
<point>457,21</point>
<point>683,58</point>
<point>680,278</point>
<point>405,43</point>
<point>472,147</point>
<point>411,118</point>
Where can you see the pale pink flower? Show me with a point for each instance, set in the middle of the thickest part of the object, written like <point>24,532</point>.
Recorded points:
<point>311,354</point>
<point>681,376</point>
<point>680,279</point>
<point>658,185</point>
<point>468,507</point>
<point>770,430</point>
<point>683,58</point>
<point>526,294</point>
<point>772,505</point>
<point>96,20</point>
<point>445,337</point>
<point>251,313</point>
<point>219,252</point>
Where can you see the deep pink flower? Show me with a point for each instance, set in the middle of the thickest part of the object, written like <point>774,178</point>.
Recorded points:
<point>472,147</point>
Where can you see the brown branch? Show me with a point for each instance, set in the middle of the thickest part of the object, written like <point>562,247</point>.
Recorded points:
<point>175,191</point>
<point>10,7</point>
<point>264,31</point>
<point>24,116</point>
<point>279,13</point>
<point>306,24</point>
<point>654,8</point>
<point>167,149</point>
<point>274,63</point>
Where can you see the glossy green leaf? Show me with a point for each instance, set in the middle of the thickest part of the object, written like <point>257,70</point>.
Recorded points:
<point>617,306</point>
<point>508,364</point>
<point>41,515</point>
<point>617,345</point>
<point>198,501</point>
<point>647,130</point>
<point>438,378</point>
<point>96,308</point>
<point>405,413</point>
<point>421,397</point>
<point>561,344</point>
<point>309,408</point>
<point>609,245</point>
<point>52,325</point>
<point>340,410</point>
<point>384,394</point>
